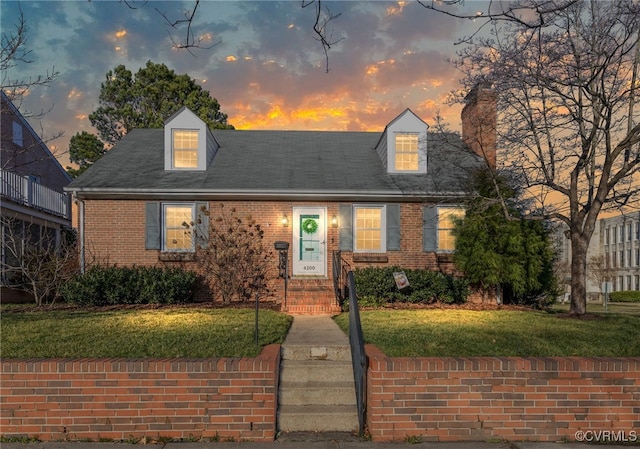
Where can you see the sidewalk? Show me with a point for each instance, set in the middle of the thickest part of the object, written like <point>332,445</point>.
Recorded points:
<point>309,443</point>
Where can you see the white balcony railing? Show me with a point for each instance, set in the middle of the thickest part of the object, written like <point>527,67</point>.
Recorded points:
<point>22,190</point>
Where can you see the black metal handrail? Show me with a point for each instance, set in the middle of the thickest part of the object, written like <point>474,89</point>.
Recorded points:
<point>340,282</point>
<point>358,355</point>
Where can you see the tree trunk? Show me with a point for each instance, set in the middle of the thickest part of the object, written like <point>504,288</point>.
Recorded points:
<point>579,248</point>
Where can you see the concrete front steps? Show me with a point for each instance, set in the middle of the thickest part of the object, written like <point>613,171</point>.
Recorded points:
<point>317,390</point>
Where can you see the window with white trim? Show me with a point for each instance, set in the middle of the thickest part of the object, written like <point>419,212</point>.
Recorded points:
<point>369,229</point>
<point>177,227</point>
<point>446,223</point>
<point>406,151</point>
<point>185,148</point>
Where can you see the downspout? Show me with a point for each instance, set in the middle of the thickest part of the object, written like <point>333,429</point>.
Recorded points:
<point>80,205</point>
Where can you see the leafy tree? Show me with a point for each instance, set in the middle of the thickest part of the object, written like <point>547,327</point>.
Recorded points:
<point>494,249</point>
<point>147,99</point>
<point>567,90</point>
<point>84,150</point>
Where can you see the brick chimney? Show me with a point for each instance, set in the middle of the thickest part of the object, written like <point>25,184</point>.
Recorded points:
<point>479,120</point>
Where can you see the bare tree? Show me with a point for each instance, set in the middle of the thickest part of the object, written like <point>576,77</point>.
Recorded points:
<point>566,91</point>
<point>599,269</point>
<point>13,52</point>
<point>37,259</point>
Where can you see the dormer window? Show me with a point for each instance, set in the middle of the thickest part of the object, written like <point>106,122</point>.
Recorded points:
<point>403,145</point>
<point>185,148</point>
<point>188,143</point>
<point>406,151</point>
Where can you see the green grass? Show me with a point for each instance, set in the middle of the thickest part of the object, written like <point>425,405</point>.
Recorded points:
<point>629,308</point>
<point>501,333</point>
<point>170,332</point>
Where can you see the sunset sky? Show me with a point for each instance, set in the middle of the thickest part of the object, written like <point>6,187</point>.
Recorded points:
<point>266,68</point>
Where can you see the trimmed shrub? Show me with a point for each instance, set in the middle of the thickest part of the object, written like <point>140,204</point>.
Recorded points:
<point>102,286</point>
<point>376,287</point>
<point>625,296</point>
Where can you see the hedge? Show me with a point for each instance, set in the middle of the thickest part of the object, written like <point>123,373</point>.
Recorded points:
<point>377,286</point>
<point>101,286</point>
<point>625,296</point>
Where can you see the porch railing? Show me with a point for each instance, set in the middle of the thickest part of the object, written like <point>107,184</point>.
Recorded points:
<point>340,280</point>
<point>358,355</point>
<point>26,191</point>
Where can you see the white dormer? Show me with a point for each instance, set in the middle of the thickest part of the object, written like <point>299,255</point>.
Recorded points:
<point>188,143</point>
<point>403,145</point>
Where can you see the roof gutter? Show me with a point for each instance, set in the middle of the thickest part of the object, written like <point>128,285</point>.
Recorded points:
<point>262,195</point>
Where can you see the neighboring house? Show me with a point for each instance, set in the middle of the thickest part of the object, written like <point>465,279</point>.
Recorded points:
<point>374,199</point>
<point>32,185</point>
<point>613,255</point>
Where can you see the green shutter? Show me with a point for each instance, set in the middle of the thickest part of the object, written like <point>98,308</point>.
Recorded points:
<point>393,227</point>
<point>153,231</point>
<point>202,225</point>
<point>346,227</point>
<point>430,229</point>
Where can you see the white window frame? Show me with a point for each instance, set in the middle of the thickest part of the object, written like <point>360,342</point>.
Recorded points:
<point>399,152</point>
<point>174,151</point>
<point>383,228</point>
<point>439,229</point>
<point>165,228</point>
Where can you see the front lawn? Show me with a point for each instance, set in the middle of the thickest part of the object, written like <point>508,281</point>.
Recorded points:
<point>501,333</point>
<point>164,332</point>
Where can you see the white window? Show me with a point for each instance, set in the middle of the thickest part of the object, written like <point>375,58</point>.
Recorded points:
<point>629,231</point>
<point>446,223</point>
<point>637,281</point>
<point>406,152</point>
<point>369,229</point>
<point>17,134</point>
<point>621,234</point>
<point>178,222</point>
<point>638,230</point>
<point>185,148</point>
<point>637,257</point>
<point>629,284</point>
<point>606,236</point>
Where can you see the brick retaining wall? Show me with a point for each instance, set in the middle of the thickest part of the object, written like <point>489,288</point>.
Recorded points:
<point>480,398</point>
<point>121,399</point>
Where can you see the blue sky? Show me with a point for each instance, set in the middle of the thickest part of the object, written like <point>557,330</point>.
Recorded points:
<point>267,70</point>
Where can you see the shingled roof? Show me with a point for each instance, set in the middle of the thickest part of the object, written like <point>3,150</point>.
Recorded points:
<point>317,165</point>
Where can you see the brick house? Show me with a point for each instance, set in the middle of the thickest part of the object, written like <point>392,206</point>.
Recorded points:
<point>34,204</point>
<point>379,199</point>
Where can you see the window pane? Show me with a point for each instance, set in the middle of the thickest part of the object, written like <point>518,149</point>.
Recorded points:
<point>446,240</point>
<point>406,151</point>
<point>177,222</point>
<point>185,148</point>
<point>368,232</point>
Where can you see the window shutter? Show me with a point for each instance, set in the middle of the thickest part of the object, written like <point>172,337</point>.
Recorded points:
<point>346,227</point>
<point>430,229</point>
<point>393,227</point>
<point>202,225</point>
<point>153,231</point>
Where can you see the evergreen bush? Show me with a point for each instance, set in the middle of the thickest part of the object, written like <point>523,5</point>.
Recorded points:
<point>102,286</point>
<point>377,287</point>
<point>625,296</point>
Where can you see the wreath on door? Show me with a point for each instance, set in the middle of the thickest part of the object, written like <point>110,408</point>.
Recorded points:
<point>309,226</point>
